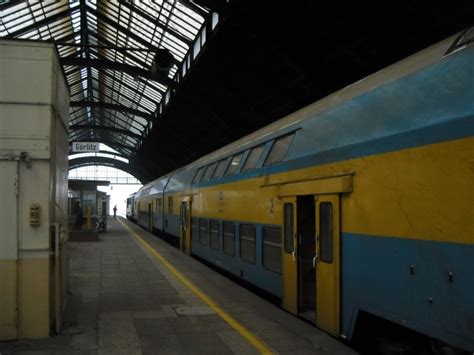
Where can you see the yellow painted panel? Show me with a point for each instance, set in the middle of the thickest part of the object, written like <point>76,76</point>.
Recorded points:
<point>34,301</point>
<point>241,201</point>
<point>424,193</point>
<point>8,296</point>
<point>328,274</point>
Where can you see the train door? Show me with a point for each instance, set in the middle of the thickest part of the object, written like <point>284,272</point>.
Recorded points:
<point>289,264</point>
<point>327,263</point>
<point>299,291</point>
<point>185,227</point>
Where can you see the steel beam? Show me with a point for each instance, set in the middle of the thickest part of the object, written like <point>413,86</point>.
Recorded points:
<point>101,152</point>
<point>93,160</point>
<point>108,64</point>
<point>153,20</point>
<point>195,8</point>
<point>116,107</point>
<point>105,128</point>
<point>38,24</point>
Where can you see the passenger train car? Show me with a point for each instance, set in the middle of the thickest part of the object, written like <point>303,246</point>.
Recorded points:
<point>131,208</point>
<point>358,203</point>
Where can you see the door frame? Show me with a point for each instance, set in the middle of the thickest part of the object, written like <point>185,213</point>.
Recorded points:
<point>324,188</point>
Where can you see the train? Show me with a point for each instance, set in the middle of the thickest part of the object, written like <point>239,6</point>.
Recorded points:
<point>358,204</point>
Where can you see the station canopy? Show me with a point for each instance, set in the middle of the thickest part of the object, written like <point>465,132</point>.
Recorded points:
<point>122,60</point>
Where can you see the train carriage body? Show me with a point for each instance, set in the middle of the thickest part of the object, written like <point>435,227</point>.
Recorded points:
<point>359,202</point>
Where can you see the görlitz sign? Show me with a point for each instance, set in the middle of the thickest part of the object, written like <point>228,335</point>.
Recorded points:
<point>85,147</point>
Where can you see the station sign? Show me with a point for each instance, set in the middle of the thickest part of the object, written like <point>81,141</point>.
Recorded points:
<point>85,147</point>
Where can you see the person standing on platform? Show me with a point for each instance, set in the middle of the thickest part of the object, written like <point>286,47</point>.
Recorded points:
<point>115,211</point>
<point>79,216</point>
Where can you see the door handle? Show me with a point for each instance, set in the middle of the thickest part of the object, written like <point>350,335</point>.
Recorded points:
<point>315,260</point>
<point>293,253</point>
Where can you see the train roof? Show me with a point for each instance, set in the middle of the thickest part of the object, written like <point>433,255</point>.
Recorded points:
<point>291,122</point>
<point>393,72</point>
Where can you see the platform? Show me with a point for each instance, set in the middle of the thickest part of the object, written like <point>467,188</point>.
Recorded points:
<point>126,300</point>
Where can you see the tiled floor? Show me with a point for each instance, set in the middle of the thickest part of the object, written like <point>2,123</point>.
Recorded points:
<point>124,301</point>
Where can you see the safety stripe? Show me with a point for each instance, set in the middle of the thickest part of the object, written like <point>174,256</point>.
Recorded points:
<point>253,339</point>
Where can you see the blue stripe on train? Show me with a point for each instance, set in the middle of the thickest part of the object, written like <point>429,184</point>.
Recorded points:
<point>376,278</point>
<point>456,129</point>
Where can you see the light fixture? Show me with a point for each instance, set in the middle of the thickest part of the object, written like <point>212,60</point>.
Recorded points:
<point>162,62</point>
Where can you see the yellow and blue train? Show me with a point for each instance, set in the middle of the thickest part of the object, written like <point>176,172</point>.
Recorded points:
<point>359,203</point>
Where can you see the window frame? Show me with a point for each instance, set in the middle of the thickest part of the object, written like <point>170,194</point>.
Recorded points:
<point>224,161</point>
<point>218,247</point>
<point>224,238</point>
<point>258,159</point>
<point>170,204</point>
<point>211,167</point>
<point>254,243</point>
<point>264,228</point>
<point>158,205</point>
<point>198,175</point>
<point>288,230</point>
<point>274,142</point>
<point>206,233</point>
<point>322,238</point>
<point>237,167</point>
<point>194,225</point>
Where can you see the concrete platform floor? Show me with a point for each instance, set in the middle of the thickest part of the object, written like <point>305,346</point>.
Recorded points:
<point>124,301</point>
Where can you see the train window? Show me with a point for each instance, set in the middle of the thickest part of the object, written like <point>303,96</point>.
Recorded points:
<point>326,233</point>
<point>279,149</point>
<point>271,249</point>
<point>170,204</point>
<point>158,205</point>
<point>464,40</point>
<point>288,227</point>
<point>253,158</point>
<point>214,234</point>
<point>219,169</point>
<point>229,238</point>
<point>247,243</point>
<point>193,227</point>
<point>203,232</point>
<point>210,169</point>
<point>234,164</point>
<point>204,169</point>
<point>198,175</point>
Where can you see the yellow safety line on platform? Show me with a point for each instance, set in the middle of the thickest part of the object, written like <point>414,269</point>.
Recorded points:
<point>254,340</point>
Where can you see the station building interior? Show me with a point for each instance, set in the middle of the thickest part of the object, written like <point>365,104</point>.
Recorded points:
<point>225,176</point>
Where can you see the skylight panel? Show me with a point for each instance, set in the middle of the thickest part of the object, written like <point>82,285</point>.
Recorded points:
<point>126,25</point>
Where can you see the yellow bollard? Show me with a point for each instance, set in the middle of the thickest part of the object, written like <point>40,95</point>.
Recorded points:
<point>89,218</point>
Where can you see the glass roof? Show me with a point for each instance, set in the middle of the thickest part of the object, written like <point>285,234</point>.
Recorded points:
<point>107,49</point>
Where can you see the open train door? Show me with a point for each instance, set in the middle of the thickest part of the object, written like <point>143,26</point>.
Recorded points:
<point>289,260</point>
<point>327,263</point>
<point>185,225</point>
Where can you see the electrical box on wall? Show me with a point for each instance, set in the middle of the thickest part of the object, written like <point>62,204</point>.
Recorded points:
<point>35,215</point>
